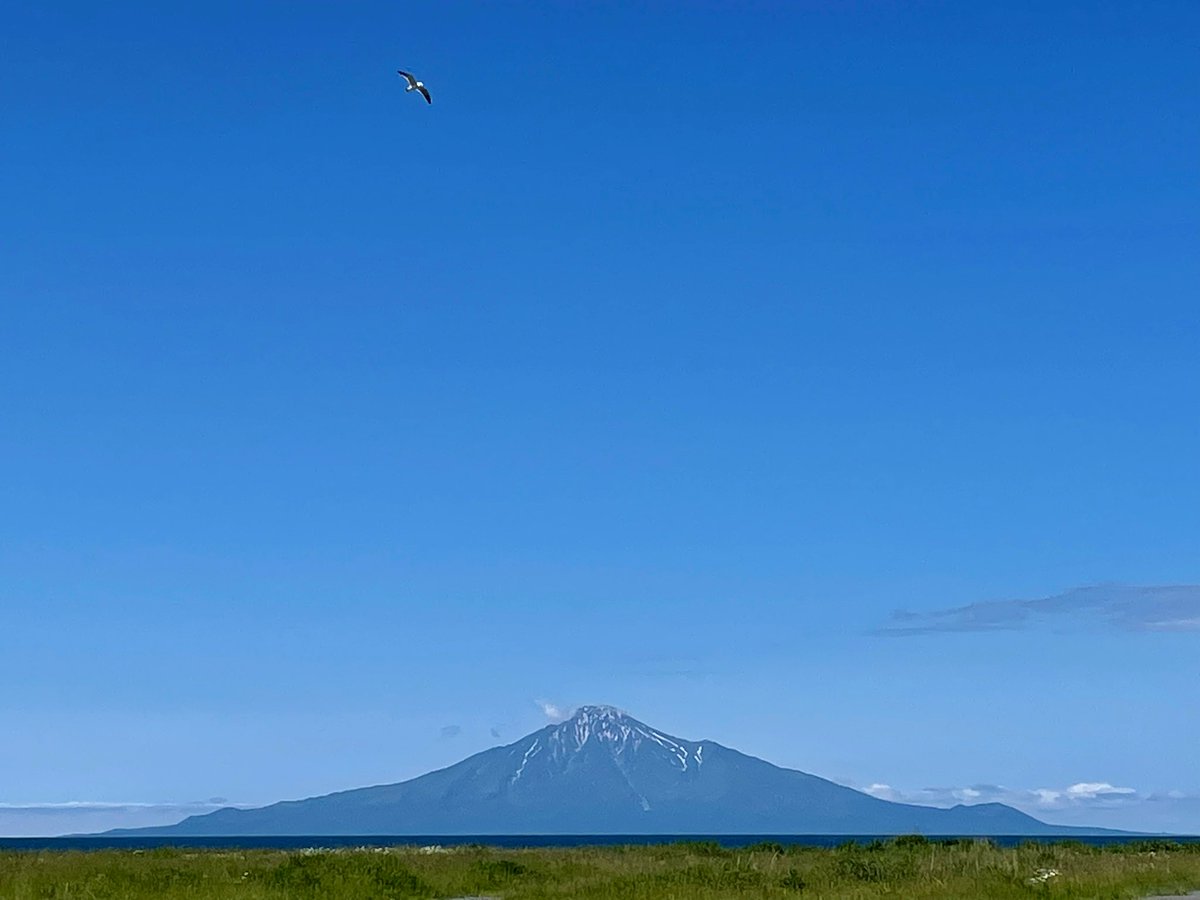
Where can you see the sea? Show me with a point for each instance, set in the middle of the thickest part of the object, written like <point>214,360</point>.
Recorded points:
<point>516,841</point>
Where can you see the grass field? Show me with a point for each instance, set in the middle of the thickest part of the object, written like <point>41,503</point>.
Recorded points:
<point>907,867</point>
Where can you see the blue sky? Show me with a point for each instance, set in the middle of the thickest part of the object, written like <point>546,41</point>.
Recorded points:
<point>788,374</point>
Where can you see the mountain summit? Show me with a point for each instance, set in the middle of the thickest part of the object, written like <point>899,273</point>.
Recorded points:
<point>595,734</point>
<point>603,772</point>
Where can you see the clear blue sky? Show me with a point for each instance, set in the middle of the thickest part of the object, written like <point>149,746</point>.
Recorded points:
<point>659,362</point>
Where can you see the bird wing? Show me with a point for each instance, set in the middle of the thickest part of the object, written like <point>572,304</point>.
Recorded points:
<point>424,93</point>
<point>408,76</point>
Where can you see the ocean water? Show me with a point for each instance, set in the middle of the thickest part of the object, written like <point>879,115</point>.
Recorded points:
<point>296,842</point>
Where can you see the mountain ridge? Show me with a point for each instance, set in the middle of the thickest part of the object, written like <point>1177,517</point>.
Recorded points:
<point>604,772</point>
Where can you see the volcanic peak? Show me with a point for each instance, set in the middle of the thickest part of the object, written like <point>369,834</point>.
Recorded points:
<point>619,733</point>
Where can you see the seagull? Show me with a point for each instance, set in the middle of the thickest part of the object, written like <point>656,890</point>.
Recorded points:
<point>414,85</point>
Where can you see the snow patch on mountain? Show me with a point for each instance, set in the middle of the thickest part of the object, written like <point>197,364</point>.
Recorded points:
<point>619,733</point>
<point>533,750</point>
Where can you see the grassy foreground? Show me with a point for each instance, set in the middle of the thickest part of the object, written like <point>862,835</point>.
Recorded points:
<point>907,867</point>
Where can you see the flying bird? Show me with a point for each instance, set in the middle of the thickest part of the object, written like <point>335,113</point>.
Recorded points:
<point>414,85</point>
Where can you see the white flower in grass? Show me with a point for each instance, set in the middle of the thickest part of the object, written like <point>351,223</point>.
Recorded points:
<point>1042,876</point>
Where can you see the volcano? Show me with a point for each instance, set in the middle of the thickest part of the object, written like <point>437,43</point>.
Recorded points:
<point>604,772</point>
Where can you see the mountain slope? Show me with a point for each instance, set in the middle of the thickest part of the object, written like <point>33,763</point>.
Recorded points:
<point>603,772</point>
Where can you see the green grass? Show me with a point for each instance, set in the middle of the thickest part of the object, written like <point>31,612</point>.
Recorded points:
<point>909,867</point>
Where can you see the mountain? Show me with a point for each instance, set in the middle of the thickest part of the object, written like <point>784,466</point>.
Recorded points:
<point>604,772</point>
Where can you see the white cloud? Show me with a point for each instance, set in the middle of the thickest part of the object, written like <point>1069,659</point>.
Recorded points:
<point>1083,793</point>
<point>882,791</point>
<point>1098,804</point>
<point>553,711</point>
<point>1091,790</point>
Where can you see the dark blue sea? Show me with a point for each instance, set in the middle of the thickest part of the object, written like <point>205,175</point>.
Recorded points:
<point>732,841</point>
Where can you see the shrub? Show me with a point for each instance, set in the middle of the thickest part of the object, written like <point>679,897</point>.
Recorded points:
<point>702,848</point>
<point>324,874</point>
<point>856,868</point>
<point>499,871</point>
<point>873,868</point>
<point>793,881</point>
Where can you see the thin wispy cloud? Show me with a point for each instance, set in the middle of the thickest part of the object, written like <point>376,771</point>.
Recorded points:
<point>1121,607</point>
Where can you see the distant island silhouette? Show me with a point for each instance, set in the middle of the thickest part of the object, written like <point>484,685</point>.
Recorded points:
<point>604,772</point>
